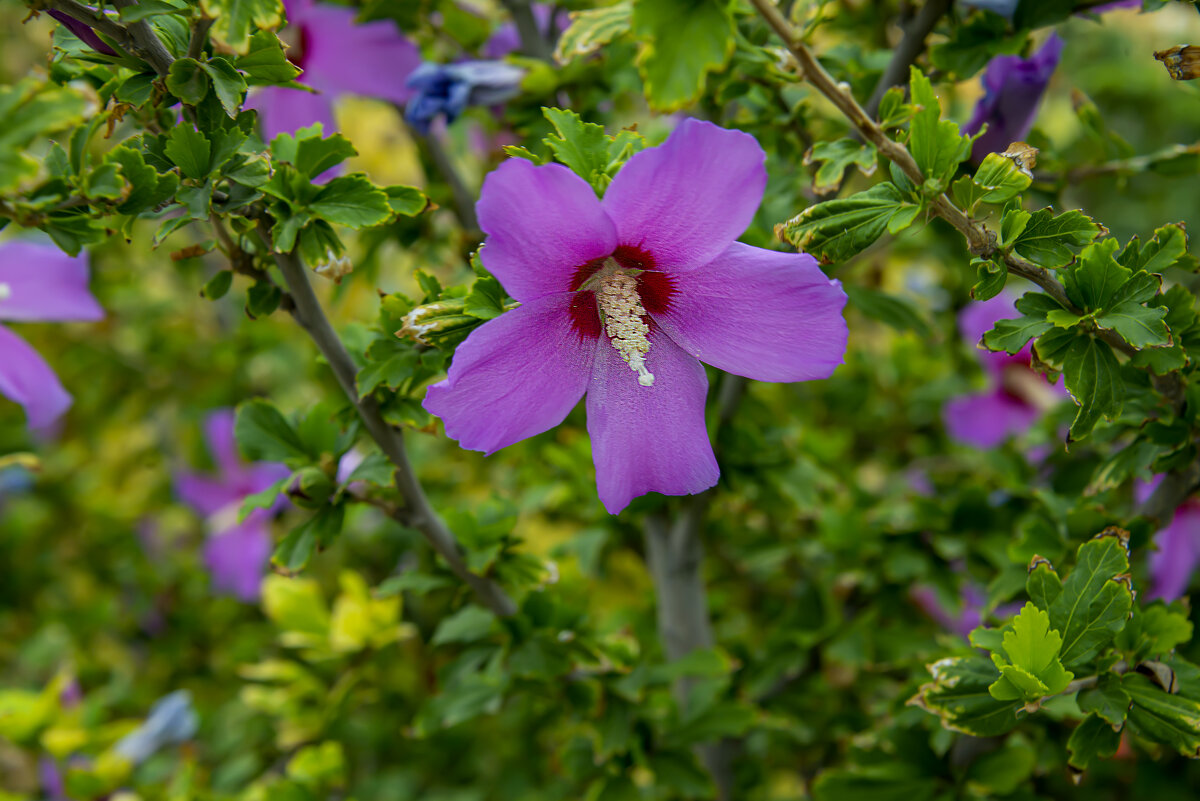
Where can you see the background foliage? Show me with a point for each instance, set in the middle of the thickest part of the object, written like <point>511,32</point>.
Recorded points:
<point>848,539</point>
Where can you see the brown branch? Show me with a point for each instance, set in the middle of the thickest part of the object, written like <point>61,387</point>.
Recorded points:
<point>417,513</point>
<point>980,241</point>
<point>146,43</point>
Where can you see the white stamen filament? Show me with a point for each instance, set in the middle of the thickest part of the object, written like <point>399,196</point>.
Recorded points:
<point>618,298</point>
<point>5,292</point>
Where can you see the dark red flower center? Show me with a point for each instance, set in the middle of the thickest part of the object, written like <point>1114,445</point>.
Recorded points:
<point>655,288</point>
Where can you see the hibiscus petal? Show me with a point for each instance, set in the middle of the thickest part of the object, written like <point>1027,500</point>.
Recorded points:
<point>1177,555</point>
<point>237,557</point>
<point>371,59</point>
<point>26,379</point>
<point>542,224</point>
<point>648,439</point>
<point>987,419</point>
<point>208,495</point>
<point>685,201</point>
<point>219,436</point>
<point>515,376</point>
<point>283,110</point>
<point>40,282</point>
<point>759,313</point>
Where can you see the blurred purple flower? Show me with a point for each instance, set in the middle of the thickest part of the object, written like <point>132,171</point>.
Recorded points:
<point>1176,551</point>
<point>338,57</point>
<point>447,89</point>
<point>171,721</point>
<point>968,616</point>
<point>83,32</point>
<point>1018,395</point>
<point>236,553</point>
<point>658,258</point>
<point>1013,89</point>
<point>39,283</point>
<point>506,39</point>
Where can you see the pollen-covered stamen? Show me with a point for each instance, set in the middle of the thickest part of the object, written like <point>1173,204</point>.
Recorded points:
<point>5,291</point>
<point>624,320</point>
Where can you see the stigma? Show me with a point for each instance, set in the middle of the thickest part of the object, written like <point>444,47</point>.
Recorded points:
<point>624,321</point>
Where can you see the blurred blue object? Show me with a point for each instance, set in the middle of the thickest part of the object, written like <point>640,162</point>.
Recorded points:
<point>449,88</point>
<point>171,721</point>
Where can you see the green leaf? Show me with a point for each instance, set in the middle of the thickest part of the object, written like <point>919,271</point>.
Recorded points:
<point>834,158</point>
<point>936,144</point>
<point>990,278</point>
<point>262,299</point>
<point>1011,335</point>
<point>228,83</point>
<point>353,201</point>
<point>237,19</point>
<point>1093,605</point>
<point>189,150</point>
<point>1107,699</point>
<point>309,153</point>
<point>187,80</point>
<point>264,499</point>
<point>998,180</point>
<point>1050,241</point>
<point>581,146</point>
<point>1033,668</point>
<point>1138,325</point>
<point>1091,740</point>
<point>890,309</point>
<point>959,696</point>
<point>681,41</point>
<point>144,9</point>
<point>1093,378</point>
<point>1043,585</point>
<point>1094,281</point>
<point>414,582</point>
<point>592,29</point>
<point>835,230</point>
<point>468,624</point>
<point>406,201</point>
<point>1166,249</point>
<point>137,89</point>
<point>317,533</point>
<point>1161,717</point>
<point>263,434</point>
<point>889,781</point>
<point>216,287</point>
<point>265,62</point>
<point>485,300</point>
<point>1154,631</point>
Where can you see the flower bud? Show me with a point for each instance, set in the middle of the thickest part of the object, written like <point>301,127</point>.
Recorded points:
<point>440,323</point>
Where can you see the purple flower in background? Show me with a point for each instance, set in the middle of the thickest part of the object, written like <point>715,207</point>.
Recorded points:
<point>83,32</point>
<point>1013,89</point>
<point>1017,396</point>
<point>39,283</point>
<point>968,616</point>
<point>236,553</point>
<point>447,89</point>
<point>507,39</point>
<point>338,57</point>
<point>1176,551</point>
<point>622,299</point>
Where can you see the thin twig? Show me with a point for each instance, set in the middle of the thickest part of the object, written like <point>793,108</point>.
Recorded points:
<point>93,19</point>
<point>463,197</point>
<point>980,241</point>
<point>533,43</point>
<point>199,37</point>
<point>418,513</point>
<point>911,45</point>
<point>147,45</point>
